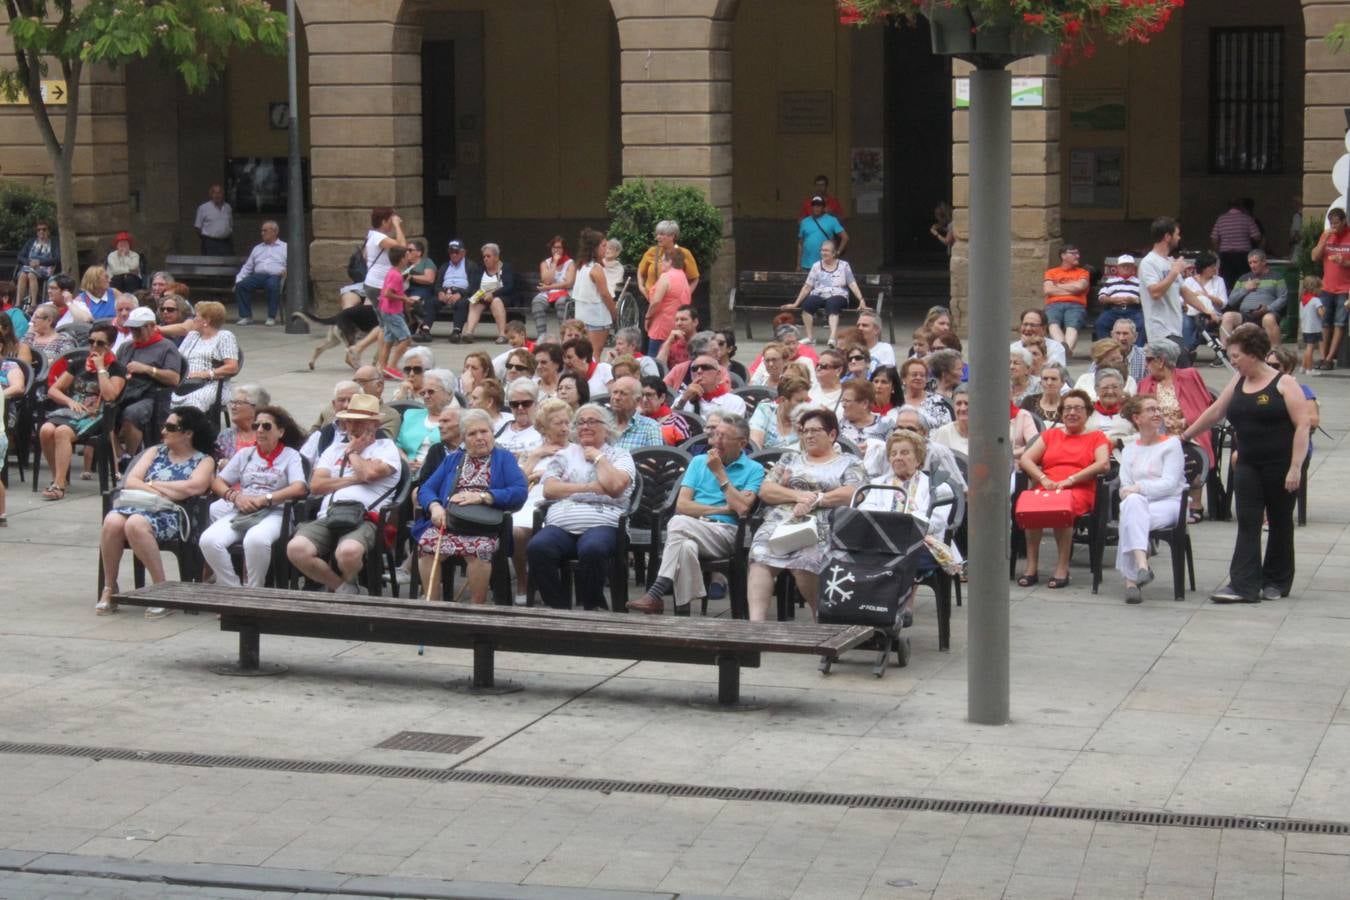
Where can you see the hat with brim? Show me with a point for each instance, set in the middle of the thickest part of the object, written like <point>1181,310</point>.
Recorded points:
<point>361,408</point>
<point>1125,259</point>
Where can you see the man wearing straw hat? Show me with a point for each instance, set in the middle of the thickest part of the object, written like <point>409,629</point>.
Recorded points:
<point>355,478</point>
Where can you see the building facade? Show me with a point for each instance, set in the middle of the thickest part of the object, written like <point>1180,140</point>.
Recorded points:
<point>509,120</point>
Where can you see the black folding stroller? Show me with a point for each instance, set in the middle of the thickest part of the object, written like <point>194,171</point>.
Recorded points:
<point>869,570</point>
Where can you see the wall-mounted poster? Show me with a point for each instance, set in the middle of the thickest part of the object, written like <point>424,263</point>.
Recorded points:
<point>1097,177</point>
<point>257,184</point>
<point>1026,92</point>
<point>867,173</point>
<point>1097,110</point>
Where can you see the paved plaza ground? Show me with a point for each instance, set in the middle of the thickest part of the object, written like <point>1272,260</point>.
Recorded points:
<point>1186,708</point>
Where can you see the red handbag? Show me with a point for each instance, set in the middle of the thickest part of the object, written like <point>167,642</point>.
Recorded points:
<point>1044,509</point>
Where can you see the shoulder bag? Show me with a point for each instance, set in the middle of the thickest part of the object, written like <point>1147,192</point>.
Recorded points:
<point>473,518</point>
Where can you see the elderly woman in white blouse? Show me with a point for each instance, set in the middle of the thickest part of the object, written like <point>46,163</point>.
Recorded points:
<point>211,355</point>
<point>589,484</point>
<point>1152,479</point>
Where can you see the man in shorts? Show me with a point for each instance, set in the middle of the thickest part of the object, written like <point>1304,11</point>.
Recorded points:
<point>1065,289</point>
<point>364,472</point>
<point>1333,252</point>
<point>154,368</point>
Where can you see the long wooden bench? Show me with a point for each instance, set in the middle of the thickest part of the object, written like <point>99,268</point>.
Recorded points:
<point>766,292</point>
<point>727,644</point>
<point>208,274</point>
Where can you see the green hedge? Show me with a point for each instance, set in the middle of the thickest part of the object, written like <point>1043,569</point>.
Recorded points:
<point>636,207</point>
<point>20,207</point>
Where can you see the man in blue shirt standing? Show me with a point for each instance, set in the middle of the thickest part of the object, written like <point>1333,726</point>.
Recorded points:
<point>717,487</point>
<point>815,230</point>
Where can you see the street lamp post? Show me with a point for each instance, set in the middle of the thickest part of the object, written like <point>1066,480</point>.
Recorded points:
<point>297,257</point>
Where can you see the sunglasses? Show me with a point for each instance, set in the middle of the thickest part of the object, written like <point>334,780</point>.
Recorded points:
<point>98,343</point>
<point>516,367</point>
<point>704,368</point>
<point>172,427</point>
<point>412,370</point>
<point>265,426</point>
<point>820,366</point>
<point>857,359</point>
<point>521,404</point>
<point>168,309</point>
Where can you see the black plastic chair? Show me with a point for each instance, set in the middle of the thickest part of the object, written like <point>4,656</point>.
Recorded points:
<point>618,571</point>
<point>693,420</point>
<point>754,396</point>
<point>278,570</point>
<point>19,411</point>
<point>942,584</point>
<point>662,470</point>
<point>1089,530</point>
<point>98,438</point>
<point>695,445</point>
<point>384,554</point>
<point>1178,537</point>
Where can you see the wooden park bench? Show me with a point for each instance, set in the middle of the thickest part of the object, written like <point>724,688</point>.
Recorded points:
<point>765,292</point>
<point>212,275</point>
<point>727,644</point>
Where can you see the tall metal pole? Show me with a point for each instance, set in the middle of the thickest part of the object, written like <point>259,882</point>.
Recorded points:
<point>297,256</point>
<point>990,456</point>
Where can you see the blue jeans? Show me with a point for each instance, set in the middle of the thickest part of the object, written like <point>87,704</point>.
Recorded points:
<point>592,549</point>
<point>1109,316</point>
<point>653,347</point>
<point>243,294</point>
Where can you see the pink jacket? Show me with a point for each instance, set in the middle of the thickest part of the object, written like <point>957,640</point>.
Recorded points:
<point>1194,397</point>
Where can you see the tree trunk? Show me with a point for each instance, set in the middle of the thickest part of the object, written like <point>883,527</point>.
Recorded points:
<point>63,188</point>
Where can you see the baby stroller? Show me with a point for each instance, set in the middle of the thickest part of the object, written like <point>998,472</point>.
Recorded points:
<point>1216,344</point>
<point>869,570</point>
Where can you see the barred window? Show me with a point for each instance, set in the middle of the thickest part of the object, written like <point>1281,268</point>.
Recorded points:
<point>1246,100</point>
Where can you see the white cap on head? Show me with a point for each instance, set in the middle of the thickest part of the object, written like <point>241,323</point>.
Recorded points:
<point>1125,259</point>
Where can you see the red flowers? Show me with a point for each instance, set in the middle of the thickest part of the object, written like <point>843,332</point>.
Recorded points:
<point>1076,25</point>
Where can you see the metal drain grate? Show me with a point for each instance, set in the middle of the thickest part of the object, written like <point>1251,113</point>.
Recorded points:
<point>429,742</point>
<point>697,791</point>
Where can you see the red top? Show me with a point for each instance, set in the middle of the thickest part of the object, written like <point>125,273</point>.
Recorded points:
<point>1336,277</point>
<point>832,206</point>
<point>1066,454</point>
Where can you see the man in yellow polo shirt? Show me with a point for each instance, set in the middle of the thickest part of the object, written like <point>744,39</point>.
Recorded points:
<point>667,233</point>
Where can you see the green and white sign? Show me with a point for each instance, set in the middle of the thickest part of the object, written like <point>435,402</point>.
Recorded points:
<point>1029,92</point>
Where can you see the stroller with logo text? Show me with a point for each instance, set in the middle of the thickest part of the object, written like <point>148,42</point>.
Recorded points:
<point>869,571</point>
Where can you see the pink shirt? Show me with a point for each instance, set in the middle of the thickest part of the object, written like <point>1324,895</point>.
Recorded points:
<point>393,288</point>
<point>677,295</point>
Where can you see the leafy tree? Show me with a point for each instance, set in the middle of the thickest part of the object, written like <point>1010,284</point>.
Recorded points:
<point>21,207</point>
<point>195,37</point>
<point>636,206</point>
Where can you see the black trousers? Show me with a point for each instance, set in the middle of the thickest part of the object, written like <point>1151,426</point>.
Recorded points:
<point>1261,494</point>
<point>1232,266</point>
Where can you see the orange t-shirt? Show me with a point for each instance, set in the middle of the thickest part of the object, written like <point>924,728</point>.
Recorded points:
<point>1061,275</point>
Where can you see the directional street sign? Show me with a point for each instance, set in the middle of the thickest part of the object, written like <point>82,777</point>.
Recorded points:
<point>53,93</point>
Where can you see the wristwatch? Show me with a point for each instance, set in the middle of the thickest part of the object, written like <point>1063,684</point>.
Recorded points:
<point>724,484</point>
<point>269,499</point>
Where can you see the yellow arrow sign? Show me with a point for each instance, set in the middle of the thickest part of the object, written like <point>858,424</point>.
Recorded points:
<point>53,94</point>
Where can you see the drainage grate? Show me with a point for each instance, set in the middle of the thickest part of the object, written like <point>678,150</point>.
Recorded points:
<point>429,742</point>
<point>696,791</point>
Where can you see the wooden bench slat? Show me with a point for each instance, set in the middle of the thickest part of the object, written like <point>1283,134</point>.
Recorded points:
<point>693,633</point>
<point>189,260</point>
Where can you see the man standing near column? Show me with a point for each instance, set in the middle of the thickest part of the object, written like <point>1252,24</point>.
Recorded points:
<point>215,224</point>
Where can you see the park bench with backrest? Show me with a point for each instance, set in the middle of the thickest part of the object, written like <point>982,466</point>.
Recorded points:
<point>206,275</point>
<point>766,292</point>
<point>729,645</point>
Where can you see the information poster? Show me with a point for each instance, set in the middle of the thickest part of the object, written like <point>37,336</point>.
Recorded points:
<point>867,171</point>
<point>1097,110</point>
<point>1096,177</point>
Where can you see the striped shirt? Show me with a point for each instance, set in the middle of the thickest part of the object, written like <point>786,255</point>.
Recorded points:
<point>580,512</point>
<point>1118,290</point>
<point>1235,232</point>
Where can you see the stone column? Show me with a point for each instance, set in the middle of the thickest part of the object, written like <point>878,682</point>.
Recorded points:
<point>1326,95</point>
<point>1035,192</point>
<point>675,69</point>
<point>365,125</point>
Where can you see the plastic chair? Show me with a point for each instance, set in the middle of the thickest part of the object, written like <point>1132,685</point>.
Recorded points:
<point>618,572</point>
<point>662,470</point>
<point>1178,537</point>
<point>754,396</point>
<point>1089,530</point>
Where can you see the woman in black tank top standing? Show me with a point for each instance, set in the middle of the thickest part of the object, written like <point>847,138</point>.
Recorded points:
<point>1271,420</point>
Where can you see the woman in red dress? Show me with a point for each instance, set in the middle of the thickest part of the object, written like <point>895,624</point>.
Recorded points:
<point>1065,459</point>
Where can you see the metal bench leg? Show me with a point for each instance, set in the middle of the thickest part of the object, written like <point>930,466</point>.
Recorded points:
<point>728,679</point>
<point>250,662</point>
<point>484,680</point>
<point>944,612</point>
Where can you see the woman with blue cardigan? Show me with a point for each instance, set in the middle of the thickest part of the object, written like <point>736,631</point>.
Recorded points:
<point>481,474</point>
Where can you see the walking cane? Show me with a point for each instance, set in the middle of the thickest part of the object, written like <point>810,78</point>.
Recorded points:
<point>431,579</point>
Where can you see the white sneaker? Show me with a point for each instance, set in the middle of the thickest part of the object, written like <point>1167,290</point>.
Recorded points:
<point>521,600</point>
<point>270,322</point>
<point>244,321</point>
<point>157,612</point>
<point>348,587</point>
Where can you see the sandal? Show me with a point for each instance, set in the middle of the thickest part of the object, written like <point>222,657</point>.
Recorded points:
<point>86,476</point>
<point>54,492</point>
<point>106,605</point>
<point>1195,517</point>
<point>1056,583</point>
<point>1028,580</point>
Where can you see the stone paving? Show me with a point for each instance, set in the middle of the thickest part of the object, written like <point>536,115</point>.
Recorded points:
<point>1181,707</point>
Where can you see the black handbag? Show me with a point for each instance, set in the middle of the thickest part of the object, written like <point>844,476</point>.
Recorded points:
<point>472,519</point>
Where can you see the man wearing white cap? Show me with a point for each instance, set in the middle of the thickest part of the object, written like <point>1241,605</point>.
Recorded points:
<point>355,478</point>
<point>154,367</point>
<point>1118,297</point>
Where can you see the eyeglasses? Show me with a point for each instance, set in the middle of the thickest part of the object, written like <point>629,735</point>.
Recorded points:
<point>428,392</point>
<point>516,367</point>
<point>822,365</point>
<point>42,229</point>
<point>703,367</point>
<point>589,423</point>
<point>521,404</point>
<point>264,426</point>
<point>44,318</point>
<point>98,343</point>
<point>240,403</point>
<point>172,427</point>
<point>1078,408</point>
<point>413,370</point>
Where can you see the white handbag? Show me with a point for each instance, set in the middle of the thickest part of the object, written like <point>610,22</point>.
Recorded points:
<point>793,535</point>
